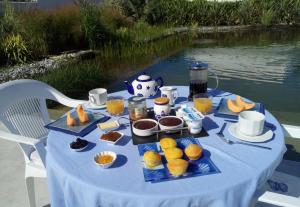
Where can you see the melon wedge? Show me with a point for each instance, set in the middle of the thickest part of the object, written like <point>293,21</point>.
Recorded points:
<point>234,107</point>
<point>246,105</point>
<point>83,117</point>
<point>70,120</point>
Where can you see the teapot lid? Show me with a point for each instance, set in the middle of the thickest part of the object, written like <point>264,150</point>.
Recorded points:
<point>144,77</point>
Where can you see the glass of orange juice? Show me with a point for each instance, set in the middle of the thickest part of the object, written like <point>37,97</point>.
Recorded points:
<point>115,105</point>
<point>203,102</point>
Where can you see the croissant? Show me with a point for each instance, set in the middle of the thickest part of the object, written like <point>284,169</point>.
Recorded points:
<point>83,117</point>
<point>70,120</point>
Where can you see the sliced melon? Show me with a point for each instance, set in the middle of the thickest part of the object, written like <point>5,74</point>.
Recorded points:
<point>234,107</point>
<point>246,105</point>
<point>83,117</point>
<point>70,120</point>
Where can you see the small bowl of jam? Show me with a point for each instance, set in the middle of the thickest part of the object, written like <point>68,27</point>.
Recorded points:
<point>144,127</point>
<point>105,159</point>
<point>111,137</point>
<point>79,144</point>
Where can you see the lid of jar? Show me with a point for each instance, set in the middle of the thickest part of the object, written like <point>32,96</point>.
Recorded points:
<point>161,100</point>
<point>136,99</point>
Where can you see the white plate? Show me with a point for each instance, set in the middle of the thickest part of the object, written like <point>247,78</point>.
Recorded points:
<point>102,140</point>
<point>267,134</point>
<point>90,105</point>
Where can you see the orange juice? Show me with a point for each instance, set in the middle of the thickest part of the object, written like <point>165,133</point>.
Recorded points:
<point>203,105</point>
<point>115,106</point>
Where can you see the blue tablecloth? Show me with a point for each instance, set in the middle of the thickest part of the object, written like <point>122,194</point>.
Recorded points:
<point>74,180</point>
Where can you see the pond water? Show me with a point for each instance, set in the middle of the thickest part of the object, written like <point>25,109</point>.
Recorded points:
<point>263,66</point>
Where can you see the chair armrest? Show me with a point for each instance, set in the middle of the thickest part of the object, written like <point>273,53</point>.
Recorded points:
<point>18,138</point>
<point>279,199</point>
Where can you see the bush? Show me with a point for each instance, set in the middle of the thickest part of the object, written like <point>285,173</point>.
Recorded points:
<point>9,23</point>
<point>15,49</point>
<point>93,30</point>
<point>54,31</point>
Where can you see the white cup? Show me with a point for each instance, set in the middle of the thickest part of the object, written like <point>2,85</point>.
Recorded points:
<point>98,96</point>
<point>170,92</point>
<point>251,123</point>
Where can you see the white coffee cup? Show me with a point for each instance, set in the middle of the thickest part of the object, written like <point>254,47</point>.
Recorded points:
<point>98,96</point>
<point>251,123</point>
<point>170,92</point>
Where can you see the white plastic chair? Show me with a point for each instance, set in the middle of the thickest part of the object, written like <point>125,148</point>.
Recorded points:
<point>24,113</point>
<point>283,189</point>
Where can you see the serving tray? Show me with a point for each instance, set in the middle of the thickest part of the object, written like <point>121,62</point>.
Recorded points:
<point>203,166</point>
<point>155,137</point>
<point>224,112</point>
<point>80,130</point>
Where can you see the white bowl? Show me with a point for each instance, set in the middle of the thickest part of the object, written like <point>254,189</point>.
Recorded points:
<point>114,155</point>
<point>144,132</point>
<point>172,128</point>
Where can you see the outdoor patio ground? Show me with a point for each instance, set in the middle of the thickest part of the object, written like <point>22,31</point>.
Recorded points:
<point>13,190</point>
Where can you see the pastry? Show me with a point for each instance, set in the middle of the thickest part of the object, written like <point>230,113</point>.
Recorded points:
<point>177,167</point>
<point>152,159</point>
<point>173,153</point>
<point>83,117</point>
<point>193,151</point>
<point>167,142</point>
<point>70,120</point>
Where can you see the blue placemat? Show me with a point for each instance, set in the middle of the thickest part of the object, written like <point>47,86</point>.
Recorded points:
<point>224,112</point>
<point>80,130</point>
<point>200,167</point>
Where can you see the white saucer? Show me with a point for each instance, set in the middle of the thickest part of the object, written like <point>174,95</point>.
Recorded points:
<point>265,136</point>
<point>90,105</point>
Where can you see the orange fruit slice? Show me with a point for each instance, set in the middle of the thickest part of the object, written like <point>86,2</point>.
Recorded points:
<point>246,105</point>
<point>234,107</point>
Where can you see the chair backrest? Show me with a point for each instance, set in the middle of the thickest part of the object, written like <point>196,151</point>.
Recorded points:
<point>23,108</point>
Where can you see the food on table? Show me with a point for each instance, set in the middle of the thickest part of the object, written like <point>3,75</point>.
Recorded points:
<point>170,121</point>
<point>239,105</point>
<point>152,159</point>
<point>203,103</point>
<point>193,151</point>
<point>137,108</point>
<point>167,142</point>
<point>177,167</point>
<point>144,124</point>
<point>70,120</point>
<point>246,105</point>
<point>144,127</point>
<point>82,115</point>
<point>79,144</point>
<point>115,105</point>
<point>108,125</point>
<point>173,153</point>
<point>161,107</point>
<point>104,159</point>
<point>111,136</point>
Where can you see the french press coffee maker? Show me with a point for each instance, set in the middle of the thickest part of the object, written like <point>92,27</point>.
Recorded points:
<point>199,78</point>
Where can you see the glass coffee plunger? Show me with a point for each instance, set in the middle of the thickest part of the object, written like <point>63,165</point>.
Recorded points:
<point>199,78</point>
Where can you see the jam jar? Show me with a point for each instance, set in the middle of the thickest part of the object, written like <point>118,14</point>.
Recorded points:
<point>137,108</point>
<point>161,107</point>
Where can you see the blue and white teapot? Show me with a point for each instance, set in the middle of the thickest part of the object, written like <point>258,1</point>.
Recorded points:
<point>144,86</point>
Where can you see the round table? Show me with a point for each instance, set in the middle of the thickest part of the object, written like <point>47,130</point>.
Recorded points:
<point>74,180</point>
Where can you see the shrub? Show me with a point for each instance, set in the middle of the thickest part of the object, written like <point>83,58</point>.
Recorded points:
<point>15,49</point>
<point>95,33</point>
<point>9,23</point>
<point>54,31</point>
<point>267,17</point>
